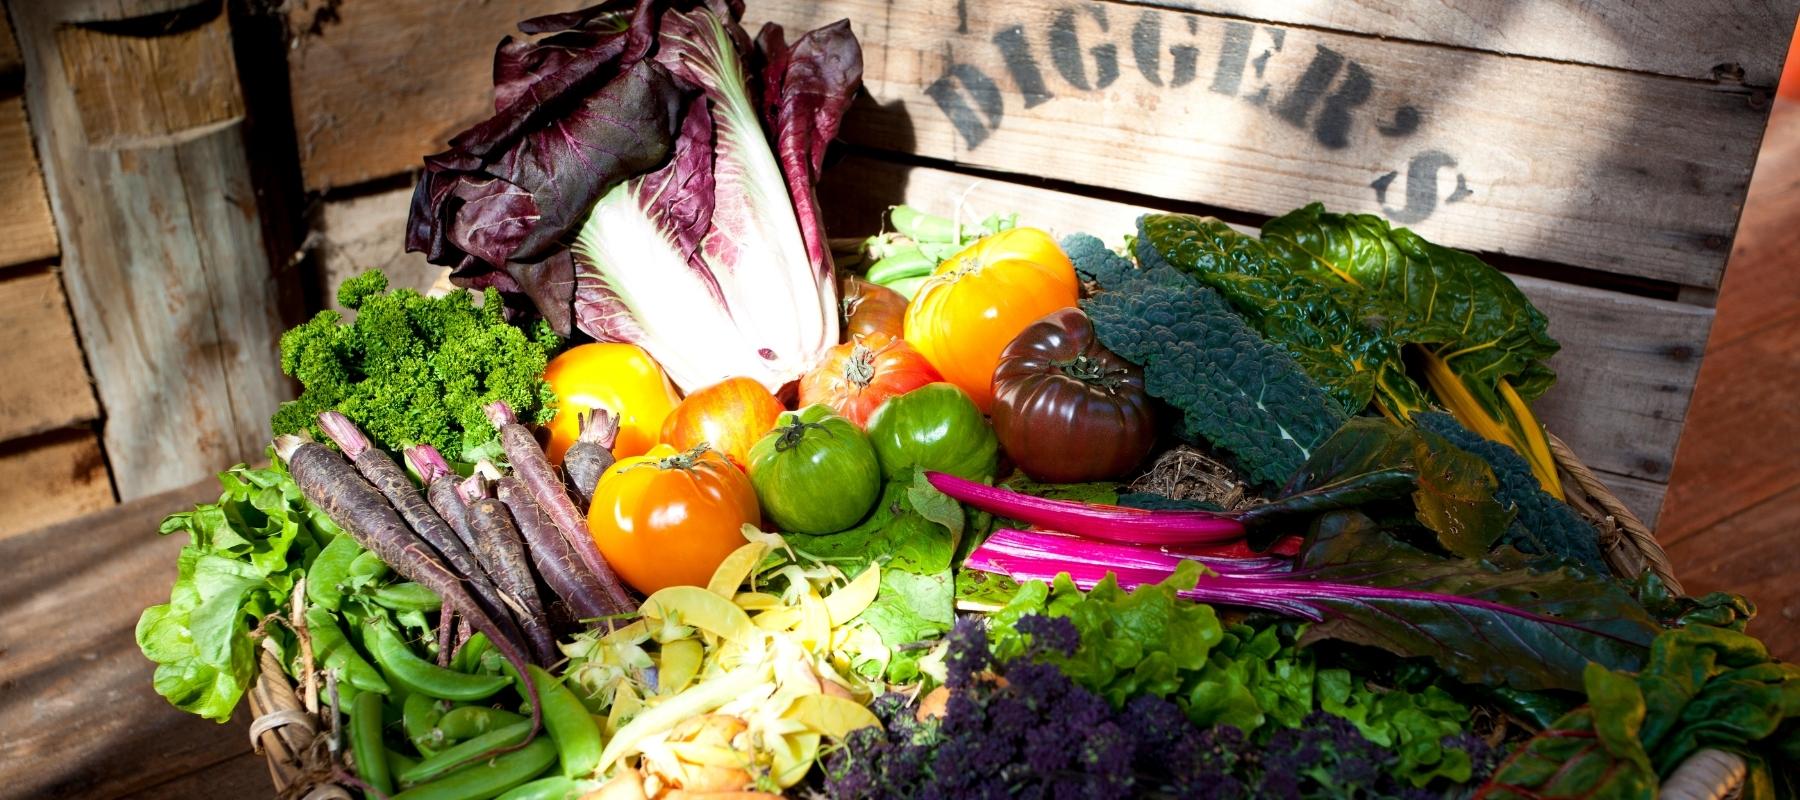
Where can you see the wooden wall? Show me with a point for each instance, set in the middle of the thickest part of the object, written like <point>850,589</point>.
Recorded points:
<point>51,465</point>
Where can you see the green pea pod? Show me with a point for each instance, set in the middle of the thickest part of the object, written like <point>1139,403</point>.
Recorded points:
<point>369,565</point>
<point>904,264</point>
<point>365,743</point>
<point>454,757</point>
<point>407,596</point>
<point>469,657</point>
<point>938,251</point>
<point>555,787</point>
<point>419,676</point>
<point>325,576</point>
<point>419,717</point>
<point>468,722</point>
<point>908,287</point>
<point>333,651</point>
<point>399,762</point>
<point>576,734</point>
<point>488,778</point>
<point>921,226</point>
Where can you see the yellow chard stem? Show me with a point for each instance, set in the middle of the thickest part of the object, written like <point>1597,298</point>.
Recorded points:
<point>1525,434</point>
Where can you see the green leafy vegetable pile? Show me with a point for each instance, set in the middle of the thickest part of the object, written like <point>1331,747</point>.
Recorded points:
<point>416,370</point>
<point>243,556</point>
<point>1702,687</point>
<point>1234,390</point>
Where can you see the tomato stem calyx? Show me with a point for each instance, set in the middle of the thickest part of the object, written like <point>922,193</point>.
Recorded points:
<point>794,433</point>
<point>1091,371</point>
<point>859,368</point>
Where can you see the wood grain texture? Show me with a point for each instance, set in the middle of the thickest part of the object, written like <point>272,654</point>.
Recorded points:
<point>1751,552</point>
<point>134,91</point>
<point>26,230</point>
<point>365,233</point>
<point>372,97</point>
<point>46,385</point>
<point>1626,368</point>
<point>1667,37</point>
<point>167,276</point>
<point>1629,173</point>
<point>1763,289</point>
<point>50,478</point>
<point>76,702</point>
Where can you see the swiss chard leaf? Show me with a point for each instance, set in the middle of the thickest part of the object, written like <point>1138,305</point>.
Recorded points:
<point>1371,459</point>
<point>1530,630</point>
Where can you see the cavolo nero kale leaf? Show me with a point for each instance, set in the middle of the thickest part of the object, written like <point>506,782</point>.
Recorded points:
<point>1234,390</point>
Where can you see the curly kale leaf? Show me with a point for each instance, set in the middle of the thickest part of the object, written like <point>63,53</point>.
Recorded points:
<point>1544,526</point>
<point>1234,390</point>
<point>412,369</point>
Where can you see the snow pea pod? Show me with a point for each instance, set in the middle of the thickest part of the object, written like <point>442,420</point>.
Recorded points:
<point>407,596</point>
<point>468,722</point>
<point>419,717</point>
<point>485,779</point>
<point>468,659</point>
<point>419,676</point>
<point>325,576</point>
<point>369,565</point>
<point>399,762</point>
<point>452,758</point>
<point>576,734</point>
<point>365,743</point>
<point>334,652</point>
<point>555,787</point>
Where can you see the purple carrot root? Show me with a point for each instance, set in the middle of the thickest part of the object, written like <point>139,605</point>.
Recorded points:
<point>499,536</point>
<point>440,491</point>
<point>394,484</point>
<point>533,468</point>
<point>590,455</point>
<point>445,633</point>
<point>333,486</point>
<point>560,568</point>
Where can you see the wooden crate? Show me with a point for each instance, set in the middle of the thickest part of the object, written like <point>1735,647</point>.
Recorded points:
<point>1601,155</point>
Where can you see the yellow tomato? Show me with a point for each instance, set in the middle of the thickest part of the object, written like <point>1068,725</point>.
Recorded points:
<point>620,378</point>
<point>669,519</point>
<point>979,299</point>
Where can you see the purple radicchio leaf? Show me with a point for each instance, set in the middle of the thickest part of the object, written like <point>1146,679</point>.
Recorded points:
<point>806,90</point>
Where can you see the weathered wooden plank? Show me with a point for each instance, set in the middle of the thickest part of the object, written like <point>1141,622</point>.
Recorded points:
<point>1625,172</point>
<point>1763,271</point>
<point>1626,368</point>
<point>123,94</point>
<point>26,230</point>
<point>365,233</point>
<point>1742,444</point>
<point>47,479</point>
<point>163,262</point>
<point>47,385</point>
<point>1667,37</point>
<point>371,98</point>
<point>76,701</point>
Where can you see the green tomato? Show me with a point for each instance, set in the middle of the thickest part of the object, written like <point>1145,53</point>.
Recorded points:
<point>815,472</point>
<point>936,427</point>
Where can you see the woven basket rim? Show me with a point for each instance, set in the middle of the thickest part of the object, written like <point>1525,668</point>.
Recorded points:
<point>304,765</point>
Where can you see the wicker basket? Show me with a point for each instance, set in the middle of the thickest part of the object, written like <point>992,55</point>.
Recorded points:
<point>305,758</point>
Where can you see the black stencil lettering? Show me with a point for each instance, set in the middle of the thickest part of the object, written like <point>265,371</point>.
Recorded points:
<point>1065,51</point>
<point>1233,54</point>
<point>1146,46</point>
<point>1332,128</point>
<point>1016,50</point>
<point>1406,120</point>
<point>1187,58</point>
<point>1421,187</point>
<point>950,101</point>
<point>1300,100</point>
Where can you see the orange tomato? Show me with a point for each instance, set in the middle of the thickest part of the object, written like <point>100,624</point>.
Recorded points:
<point>729,416</point>
<point>620,378</point>
<point>858,376</point>
<point>979,299</point>
<point>668,519</point>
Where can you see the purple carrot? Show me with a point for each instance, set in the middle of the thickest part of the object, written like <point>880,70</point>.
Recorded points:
<point>445,625</point>
<point>332,485</point>
<point>440,490</point>
<point>533,468</point>
<point>560,568</point>
<point>499,539</point>
<point>393,483</point>
<point>587,459</point>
